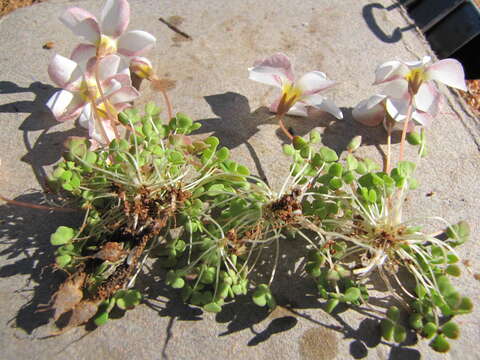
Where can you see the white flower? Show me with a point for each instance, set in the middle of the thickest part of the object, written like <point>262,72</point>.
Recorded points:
<point>108,36</point>
<point>412,82</point>
<point>277,71</point>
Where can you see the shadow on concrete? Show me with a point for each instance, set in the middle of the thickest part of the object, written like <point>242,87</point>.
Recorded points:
<point>47,148</point>
<point>27,250</point>
<point>376,29</point>
<point>27,254</point>
<point>293,290</point>
<point>367,336</point>
<point>237,123</point>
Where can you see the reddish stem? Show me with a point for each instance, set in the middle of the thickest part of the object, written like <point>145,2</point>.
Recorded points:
<point>389,148</point>
<point>405,127</point>
<point>35,206</point>
<point>282,126</point>
<point>169,104</point>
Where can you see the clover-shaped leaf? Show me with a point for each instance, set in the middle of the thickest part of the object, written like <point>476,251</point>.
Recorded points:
<point>174,280</point>
<point>128,299</point>
<point>62,235</point>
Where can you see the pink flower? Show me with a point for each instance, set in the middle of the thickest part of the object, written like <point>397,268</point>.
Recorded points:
<point>372,112</point>
<point>297,95</point>
<point>410,82</point>
<point>80,89</point>
<point>108,36</point>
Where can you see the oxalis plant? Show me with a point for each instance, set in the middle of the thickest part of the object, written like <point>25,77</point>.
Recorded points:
<point>149,189</point>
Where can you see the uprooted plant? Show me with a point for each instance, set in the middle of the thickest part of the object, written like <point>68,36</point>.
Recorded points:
<point>149,189</point>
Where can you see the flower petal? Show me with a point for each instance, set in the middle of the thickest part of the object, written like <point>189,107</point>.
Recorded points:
<point>313,82</point>
<point>82,53</point>
<point>123,95</point>
<point>321,103</point>
<point>397,88</point>
<point>115,17</point>
<point>95,129</point>
<point>275,70</point>
<point>63,71</point>
<point>116,82</point>
<point>298,109</point>
<point>135,43</point>
<point>108,67</point>
<point>389,71</point>
<point>422,118</point>
<point>397,108</point>
<point>274,106</point>
<point>65,105</point>
<point>370,112</point>
<point>82,23</point>
<point>428,99</point>
<point>449,72</point>
<point>111,86</point>
<point>85,116</point>
<point>418,63</point>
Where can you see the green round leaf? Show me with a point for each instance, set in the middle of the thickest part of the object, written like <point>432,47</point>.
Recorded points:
<point>183,121</point>
<point>288,150</point>
<point>335,183</point>
<point>313,269</point>
<point>259,299</point>
<point>352,294</point>
<point>399,334</point>
<point>429,330</point>
<point>299,143</point>
<point>63,260</point>
<point>414,138</point>
<point>223,154</point>
<point>466,305</point>
<point>440,344</point>
<point>352,162</point>
<point>335,169</point>
<point>101,318</point>
<point>453,270</point>
<point>314,137</point>
<point>328,154</point>
<point>451,330</point>
<point>243,170</point>
<point>416,321</point>
<point>331,305</point>
<point>174,280</point>
<point>387,328</point>
<point>212,141</point>
<point>208,276</point>
<point>393,313</point>
<point>212,307</point>
<point>62,235</point>
<point>354,144</point>
<point>333,275</point>
<point>348,177</point>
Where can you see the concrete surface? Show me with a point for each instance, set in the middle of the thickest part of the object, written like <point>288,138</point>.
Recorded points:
<point>346,39</point>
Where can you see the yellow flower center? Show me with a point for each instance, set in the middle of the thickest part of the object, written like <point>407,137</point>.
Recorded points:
<point>142,71</point>
<point>106,46</point>
<point>103,112</point>
<point>415,79</point>
<point>88,91</point>
<point>291,93</point>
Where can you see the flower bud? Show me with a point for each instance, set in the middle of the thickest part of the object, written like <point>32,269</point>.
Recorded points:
<point>354,144</point>
<point>142,67</point>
